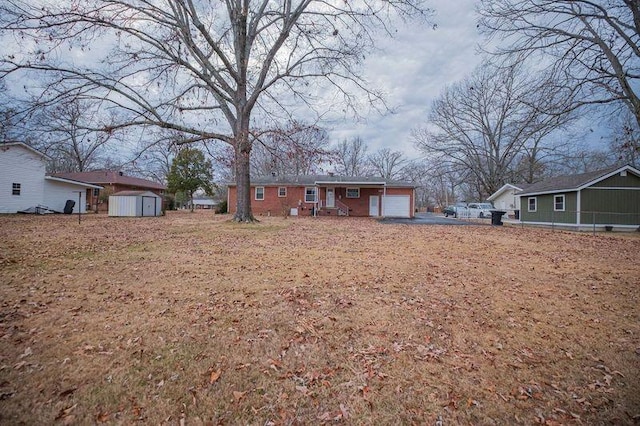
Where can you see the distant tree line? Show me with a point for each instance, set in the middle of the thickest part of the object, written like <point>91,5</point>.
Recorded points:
<point>552,67</point>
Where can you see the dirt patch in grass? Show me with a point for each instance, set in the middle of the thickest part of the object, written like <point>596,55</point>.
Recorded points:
<point>192,318</point>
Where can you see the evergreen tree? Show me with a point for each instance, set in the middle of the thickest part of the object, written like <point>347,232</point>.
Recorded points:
<point>190,171</point>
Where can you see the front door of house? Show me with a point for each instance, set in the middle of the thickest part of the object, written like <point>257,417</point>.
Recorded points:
<point>374,202</point>
<point>331,198</point>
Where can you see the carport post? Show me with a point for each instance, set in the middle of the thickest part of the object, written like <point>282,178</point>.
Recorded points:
<point>79,207</point>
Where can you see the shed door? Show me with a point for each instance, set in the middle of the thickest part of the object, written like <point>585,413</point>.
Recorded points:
<point>396,205</point>
<point>148,206</point>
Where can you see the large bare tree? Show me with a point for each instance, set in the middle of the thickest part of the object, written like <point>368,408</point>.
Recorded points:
<point>387,163</point>
<point>154,155</point>
<point>211,70</point>
<point>351,157</point>
<point>625,140</point>
<point>593,46</point>
<point>295,149</point>
<point>481,127</point>
<point>69,132</point>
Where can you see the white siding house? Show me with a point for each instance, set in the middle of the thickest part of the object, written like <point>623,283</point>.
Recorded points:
<point>57,191</point>
<point>506,198</point>
<point>22,171</point>
<point>23,183</point>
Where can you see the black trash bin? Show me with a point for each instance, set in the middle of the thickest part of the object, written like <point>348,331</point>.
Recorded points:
<point>68,207</point>
<point>496,217</point>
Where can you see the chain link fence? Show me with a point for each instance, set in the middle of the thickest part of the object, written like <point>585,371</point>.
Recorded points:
<point>593,221</point>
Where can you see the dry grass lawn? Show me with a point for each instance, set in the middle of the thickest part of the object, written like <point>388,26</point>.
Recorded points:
<point>191,319</point>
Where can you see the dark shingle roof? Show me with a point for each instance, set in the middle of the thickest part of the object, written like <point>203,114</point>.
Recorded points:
<point>109,177</point>
<point>325,179</point>
<point>567,182</point>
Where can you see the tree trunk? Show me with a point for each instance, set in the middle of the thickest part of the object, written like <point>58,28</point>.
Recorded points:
<point>243,183</point>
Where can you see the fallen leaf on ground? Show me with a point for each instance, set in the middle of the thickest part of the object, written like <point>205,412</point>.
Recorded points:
<point>215,375</point>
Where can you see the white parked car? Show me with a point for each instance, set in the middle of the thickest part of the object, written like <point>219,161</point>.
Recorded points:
<point>480,210</point>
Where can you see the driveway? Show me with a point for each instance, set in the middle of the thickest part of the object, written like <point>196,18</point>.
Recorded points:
<point>434,219</point>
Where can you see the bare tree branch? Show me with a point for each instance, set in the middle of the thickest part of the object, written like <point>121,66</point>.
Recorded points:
<point>593,46</point>
<point>196,67</point>
<point>484,126</point>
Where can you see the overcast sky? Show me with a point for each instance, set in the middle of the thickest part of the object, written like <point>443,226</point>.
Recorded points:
<point>413,69</point>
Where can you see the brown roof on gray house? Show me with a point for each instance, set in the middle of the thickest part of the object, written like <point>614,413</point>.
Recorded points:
<point>568,182</point>
<point>110,177</point>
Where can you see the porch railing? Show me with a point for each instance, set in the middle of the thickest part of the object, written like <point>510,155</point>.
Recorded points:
<point>342,207</point>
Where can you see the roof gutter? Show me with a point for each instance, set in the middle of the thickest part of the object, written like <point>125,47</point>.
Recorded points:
<point>322,182</point>
<point>73,182</point>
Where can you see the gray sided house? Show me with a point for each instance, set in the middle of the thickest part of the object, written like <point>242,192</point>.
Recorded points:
<point>609,197</point>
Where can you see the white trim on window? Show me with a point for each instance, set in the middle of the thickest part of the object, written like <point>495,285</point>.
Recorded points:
<point>310,194</point>
<point>282,191</point>
<point>259,196</point>
<point>353,195</point>
<point>16,188</point>
<point>532,207</point>
<point>558,206</point>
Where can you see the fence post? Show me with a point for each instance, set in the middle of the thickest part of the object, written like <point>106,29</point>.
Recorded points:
<point>593,220</point>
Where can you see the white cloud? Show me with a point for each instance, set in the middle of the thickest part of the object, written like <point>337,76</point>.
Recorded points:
<point>412,69</point>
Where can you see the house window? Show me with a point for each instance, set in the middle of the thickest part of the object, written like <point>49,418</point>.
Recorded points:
<point>282,191</point>
<point>259,192</point>
<point>558,203</point>
<point>310,195</point>
<point>15,189</point>
<point>353,192</point>
<point>96,192</point>
<point>533,204</point>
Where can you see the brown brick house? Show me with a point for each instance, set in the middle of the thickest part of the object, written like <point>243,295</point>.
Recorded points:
<point>112,181</point>
<point>328,195</point>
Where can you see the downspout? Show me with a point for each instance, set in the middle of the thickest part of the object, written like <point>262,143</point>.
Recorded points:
<point>578,207</point>
<point>384,197</point>
<point>413,204</point>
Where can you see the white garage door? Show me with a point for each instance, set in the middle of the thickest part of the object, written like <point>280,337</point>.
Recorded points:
<point>396,206</point>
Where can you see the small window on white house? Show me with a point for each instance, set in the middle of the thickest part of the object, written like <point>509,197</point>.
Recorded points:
<point>259,192</point>
<point>15,189</point>
<point>558,203</point>
<point>533,204</point>
<point>282,191</point>
<point>353,192</point>
<point>310,195</point>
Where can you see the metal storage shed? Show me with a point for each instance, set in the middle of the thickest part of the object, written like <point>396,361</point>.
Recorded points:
<point>135,204</point>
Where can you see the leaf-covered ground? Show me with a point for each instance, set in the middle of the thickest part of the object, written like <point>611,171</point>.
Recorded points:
<point>192,319</point>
